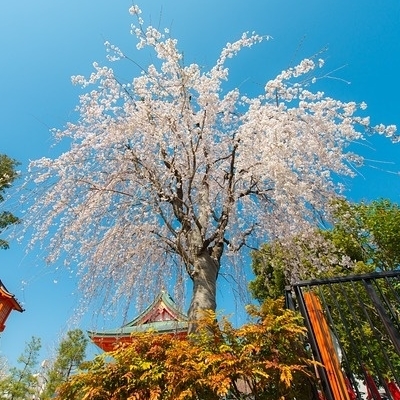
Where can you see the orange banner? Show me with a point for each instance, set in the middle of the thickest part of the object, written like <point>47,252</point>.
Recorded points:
<point>325,345</point>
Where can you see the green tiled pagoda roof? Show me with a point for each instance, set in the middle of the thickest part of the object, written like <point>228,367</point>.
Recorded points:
<point>177,323</point>
<point>158,326</point>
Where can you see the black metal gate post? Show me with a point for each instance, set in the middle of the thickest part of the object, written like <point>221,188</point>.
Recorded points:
<point>363,314</point>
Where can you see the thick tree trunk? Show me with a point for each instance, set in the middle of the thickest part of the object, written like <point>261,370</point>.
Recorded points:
<point>204,277</point>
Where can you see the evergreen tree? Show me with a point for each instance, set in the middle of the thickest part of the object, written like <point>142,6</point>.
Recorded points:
<point>21,383</point>
<point>70,354</point>
<point>8,174</point>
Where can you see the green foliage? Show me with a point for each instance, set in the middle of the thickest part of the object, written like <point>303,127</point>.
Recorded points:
<point>8,174</point>
<point>368,232</point>
<point>21,383</point>
<point>269,267</point>
<point>27,382</point>
<point>363,238</point>
<point>70,355</point>
<point>264,360</point>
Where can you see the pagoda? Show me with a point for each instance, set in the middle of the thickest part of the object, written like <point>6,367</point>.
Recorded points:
<point>162,316</point>
<point>8,303</point>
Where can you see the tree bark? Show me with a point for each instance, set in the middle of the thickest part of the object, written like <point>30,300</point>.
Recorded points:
<point>204,277</point>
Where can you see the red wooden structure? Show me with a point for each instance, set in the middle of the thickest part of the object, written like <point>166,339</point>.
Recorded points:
<point>8,303</point>
<point>161,316</point>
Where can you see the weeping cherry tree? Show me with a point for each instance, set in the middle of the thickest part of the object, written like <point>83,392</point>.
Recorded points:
<point>171,172</point>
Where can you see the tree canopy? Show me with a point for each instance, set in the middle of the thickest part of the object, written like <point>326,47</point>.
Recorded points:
<point>363,238</point>
<point>8,174</point>
<point>368,232</point>
<point>171,170</point>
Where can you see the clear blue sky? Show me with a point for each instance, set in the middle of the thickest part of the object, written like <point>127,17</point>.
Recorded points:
<point>44,42</point>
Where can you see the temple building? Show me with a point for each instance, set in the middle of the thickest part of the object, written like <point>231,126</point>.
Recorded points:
<point>161,316</point>
<point>8,303</point>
